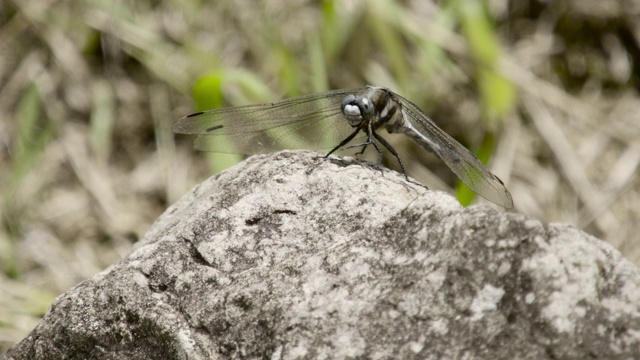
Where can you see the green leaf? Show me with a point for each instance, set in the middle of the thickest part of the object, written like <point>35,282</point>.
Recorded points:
<point>102,120</point>
<point>465,195</point>
<point>34,134</point>
<point>498,95</point>
<point>207,91</point>
<point>208,95</point>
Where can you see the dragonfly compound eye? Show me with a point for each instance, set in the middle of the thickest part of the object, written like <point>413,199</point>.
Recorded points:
<point>367,110</point>
<point>352,110</point>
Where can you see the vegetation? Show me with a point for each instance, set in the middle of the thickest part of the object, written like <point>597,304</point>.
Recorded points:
<point>545,92</point>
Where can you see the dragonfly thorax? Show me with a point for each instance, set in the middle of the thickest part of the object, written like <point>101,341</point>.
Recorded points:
<point>357,109</point>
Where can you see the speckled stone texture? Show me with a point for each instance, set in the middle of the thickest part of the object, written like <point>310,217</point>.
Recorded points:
<point>290,256</point>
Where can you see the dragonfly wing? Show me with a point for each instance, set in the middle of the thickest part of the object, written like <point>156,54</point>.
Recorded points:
<point>309,122</point>
<point>459,159</point>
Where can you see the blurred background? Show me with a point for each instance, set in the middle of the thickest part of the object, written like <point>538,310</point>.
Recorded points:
<point>546,92</point>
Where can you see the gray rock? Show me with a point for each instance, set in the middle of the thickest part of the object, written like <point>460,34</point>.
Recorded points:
<point>290,256</point>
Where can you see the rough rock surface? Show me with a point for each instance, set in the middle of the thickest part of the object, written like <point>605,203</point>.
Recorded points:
<point>292,256</point>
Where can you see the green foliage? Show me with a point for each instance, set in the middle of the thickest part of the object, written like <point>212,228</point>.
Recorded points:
<point>32,137</point>
<point>498,96</point>
<point>208,94</point>
<point>463,193</point>
<point>102,121</point>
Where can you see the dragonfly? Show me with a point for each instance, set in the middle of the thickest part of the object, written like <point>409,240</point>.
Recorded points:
<point>313,121</point>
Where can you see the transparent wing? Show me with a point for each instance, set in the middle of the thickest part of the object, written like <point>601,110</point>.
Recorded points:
<point>309,122</point>
<point>459,159</point>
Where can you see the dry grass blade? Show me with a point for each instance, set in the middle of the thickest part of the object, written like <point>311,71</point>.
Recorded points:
<point>620,181</point>
<point>570,164</point>
<point>553,135</point>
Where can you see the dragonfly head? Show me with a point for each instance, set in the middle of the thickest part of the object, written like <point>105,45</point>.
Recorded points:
<point>357,109</point>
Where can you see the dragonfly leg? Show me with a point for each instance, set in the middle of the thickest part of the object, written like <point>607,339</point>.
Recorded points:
<point>361,152</point>
<point>369,141</point>
<point>378,150</point>
<point>392,151</point>
<point>343,142</point>
<point>364,147</point>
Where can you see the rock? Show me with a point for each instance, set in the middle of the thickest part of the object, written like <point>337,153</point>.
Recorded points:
<point>289,256</point>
